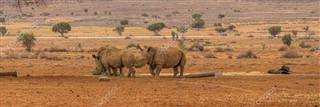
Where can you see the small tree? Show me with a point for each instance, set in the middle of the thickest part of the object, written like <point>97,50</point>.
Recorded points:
<point>306,29</point>
<point>198,23</point>
<point>85,10</point>
<point>196,16</point>
<point>294,33</point>
<point>27,39</point>
<point>3,30</point>
<point>95,13</point>
<point>220,16</point>
<point>119,30</point>
<point>173,35</point>
<point>124,22</point>
<point>62,27</point>
<point>231,27</point>
<point>220,29</point>
<point>182,30</point>
<point>2,20</point>
<point>274,30</point>
<point>156,27</point>
<point>286,39</point>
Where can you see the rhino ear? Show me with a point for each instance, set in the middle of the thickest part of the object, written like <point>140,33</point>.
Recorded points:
<point>149,48</point>
<point>96,57</point>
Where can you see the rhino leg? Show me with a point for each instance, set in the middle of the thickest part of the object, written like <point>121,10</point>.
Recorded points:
<point>158,69</point>
<point>151,69</point>
<point>175,72</point>
<point>131,72</point>
<point>107,68</point>
<point>181,71</point>
<point>121,73</point>
<point>114,71</point>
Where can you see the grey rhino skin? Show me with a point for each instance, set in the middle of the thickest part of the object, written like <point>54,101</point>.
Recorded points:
<point>119,58</point>
<point>100,67</point>
<point>170,57</point>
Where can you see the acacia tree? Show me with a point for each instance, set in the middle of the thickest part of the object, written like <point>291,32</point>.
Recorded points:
<point>119,30</point>
<point>3,30</point>
<point>62,27</point>
<point>198,23</point>
<point>27,39</point>
<point>156,28</point>
<point>274,30</point>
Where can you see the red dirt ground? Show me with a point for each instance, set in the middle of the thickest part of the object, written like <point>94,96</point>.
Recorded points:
<point>268,90</point>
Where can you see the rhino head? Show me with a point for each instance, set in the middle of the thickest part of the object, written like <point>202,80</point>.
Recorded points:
<point>99,66</point>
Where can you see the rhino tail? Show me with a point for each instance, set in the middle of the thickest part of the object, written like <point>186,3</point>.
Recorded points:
<point>183,59</point>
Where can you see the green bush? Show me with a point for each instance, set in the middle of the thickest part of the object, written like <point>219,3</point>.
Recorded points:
<point>286,39</point>
<point>27,39</point>
<point>274,30</point>
<point>3,30</point>
<point>196,16</point>
<point>220,29</point>
<point>231,27</point>
<point>2,20</point>
<point>220,16</point>
<point>124,22</point>
<point>198,23</point>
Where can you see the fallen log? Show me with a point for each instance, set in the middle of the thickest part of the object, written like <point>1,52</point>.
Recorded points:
<point>14,74</point>
<point>217,74</point>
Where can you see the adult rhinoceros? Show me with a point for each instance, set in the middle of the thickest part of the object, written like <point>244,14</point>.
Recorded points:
<point>170,57</point>
<point>119,58</point>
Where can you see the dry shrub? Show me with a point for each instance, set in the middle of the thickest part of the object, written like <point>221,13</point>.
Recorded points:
<point>56,49</point>
<point>283,48</point>
<point>196,47</point>
<point>303,45</point>
<point>233,42</point>
<point>210,55</point>
<point>54,58</point>
<point>247,54</point>
<point>92,50</point>
<point>219,49</point>
<point>127,37</point>
<point>314,49</point>
<point>291,54</point>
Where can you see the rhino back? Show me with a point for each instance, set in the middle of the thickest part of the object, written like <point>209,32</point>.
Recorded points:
<point>170,57</point>
<point>114,58</point>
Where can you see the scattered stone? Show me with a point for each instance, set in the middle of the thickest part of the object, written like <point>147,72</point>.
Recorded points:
<point>104,79</point>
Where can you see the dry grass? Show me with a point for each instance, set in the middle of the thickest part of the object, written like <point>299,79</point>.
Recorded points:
<point>291,54</point>
<point>247,54</point>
